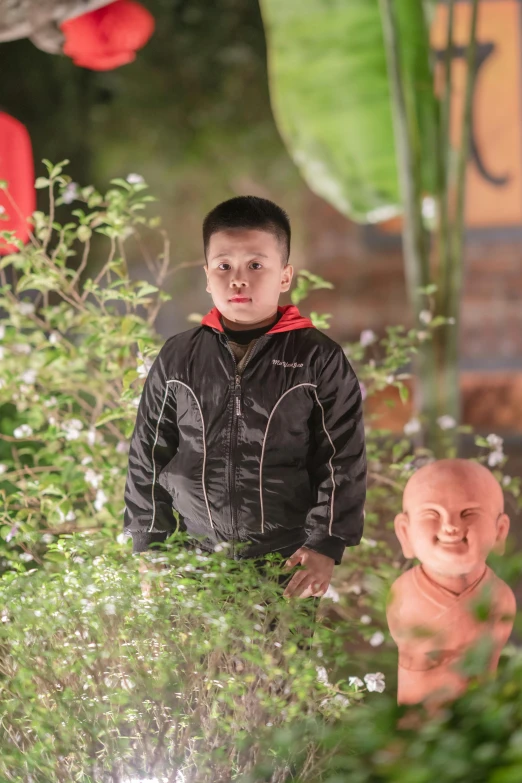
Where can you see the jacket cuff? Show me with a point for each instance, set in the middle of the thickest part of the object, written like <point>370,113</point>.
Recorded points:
<point>331,547</point>
<point>141,541</point>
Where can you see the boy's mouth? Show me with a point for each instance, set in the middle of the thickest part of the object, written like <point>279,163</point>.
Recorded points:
<point>239,299</point>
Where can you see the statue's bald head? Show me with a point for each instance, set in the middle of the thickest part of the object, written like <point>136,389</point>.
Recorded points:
<point>452,502</point>
<point>459,477</point>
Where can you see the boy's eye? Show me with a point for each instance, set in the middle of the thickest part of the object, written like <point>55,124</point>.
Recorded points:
<point>225,264</point>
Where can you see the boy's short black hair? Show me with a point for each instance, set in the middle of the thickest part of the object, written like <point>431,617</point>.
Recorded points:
<point>249,212</point>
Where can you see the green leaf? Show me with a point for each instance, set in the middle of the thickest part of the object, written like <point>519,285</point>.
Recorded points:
<point>147,289</point>
<point>331,98</point>
<point>403,393</point>
<point>84,233</point>
<point>41,182</point>
<point>121,182</point>
<point>111,415</point>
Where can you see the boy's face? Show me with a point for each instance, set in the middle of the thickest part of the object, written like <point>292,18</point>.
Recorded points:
<point>246,263</point>
<point>452,523</point>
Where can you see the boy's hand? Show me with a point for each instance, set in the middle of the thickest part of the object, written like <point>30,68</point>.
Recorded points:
<point>314,578</point>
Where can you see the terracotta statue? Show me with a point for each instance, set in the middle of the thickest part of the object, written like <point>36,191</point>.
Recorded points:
<point>453,516</point>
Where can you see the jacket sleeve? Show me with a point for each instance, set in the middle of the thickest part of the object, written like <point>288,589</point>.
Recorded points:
<point>339,467</point>
<point>149,515</point>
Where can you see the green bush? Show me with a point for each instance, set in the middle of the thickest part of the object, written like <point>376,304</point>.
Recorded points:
<point>73,363</point>
<point>99,682</point>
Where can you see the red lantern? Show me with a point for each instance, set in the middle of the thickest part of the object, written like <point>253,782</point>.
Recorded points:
<point>18,199</point>
<point>108,37</point>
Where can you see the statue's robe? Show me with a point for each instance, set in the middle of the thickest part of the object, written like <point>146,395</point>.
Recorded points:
<point>434,627</point>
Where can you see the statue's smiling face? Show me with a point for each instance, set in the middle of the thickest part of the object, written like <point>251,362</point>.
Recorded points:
<point>453,517</point>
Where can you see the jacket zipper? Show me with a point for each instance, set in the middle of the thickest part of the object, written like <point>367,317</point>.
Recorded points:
<point>236,413</point>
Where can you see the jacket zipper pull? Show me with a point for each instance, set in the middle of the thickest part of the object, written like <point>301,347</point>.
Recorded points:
<point>238,396</point>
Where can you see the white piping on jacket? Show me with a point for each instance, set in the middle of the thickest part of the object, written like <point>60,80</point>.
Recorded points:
<point>330,461</point>
<point>204,452</point>
<point>314,386</point>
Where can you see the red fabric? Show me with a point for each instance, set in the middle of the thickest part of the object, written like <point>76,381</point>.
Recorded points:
<point>291,319</point>
<point>17,167</point>
<point>108,37</point>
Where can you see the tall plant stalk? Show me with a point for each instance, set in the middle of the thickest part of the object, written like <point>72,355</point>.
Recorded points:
<point>437,392</point>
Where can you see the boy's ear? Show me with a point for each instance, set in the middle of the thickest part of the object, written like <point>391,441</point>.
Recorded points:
<point>207,289</point>
<point>287,274</point>
<point>402,531</point>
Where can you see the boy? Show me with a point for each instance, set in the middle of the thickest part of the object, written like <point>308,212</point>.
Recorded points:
<point>251,424</point>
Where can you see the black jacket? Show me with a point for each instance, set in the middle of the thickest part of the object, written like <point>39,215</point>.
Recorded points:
<point>274,457</point>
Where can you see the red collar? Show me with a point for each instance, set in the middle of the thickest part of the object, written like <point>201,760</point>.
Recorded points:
<point>291,319</point>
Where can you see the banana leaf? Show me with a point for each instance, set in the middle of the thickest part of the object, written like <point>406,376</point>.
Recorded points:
<point>332,104</point>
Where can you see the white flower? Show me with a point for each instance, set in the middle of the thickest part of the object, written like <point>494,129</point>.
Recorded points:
<point>377,639</point>
<point>12,533</point>
<point>2,352</point>
<point>332,594</point>
<point>101,499</point>
<point>422,336</point>
<point>70,516</point>
<point>92,435</point>
<point>3,468</point>
<point>371,542</point>
<point>72,428</point>
<point>134,179</point>
<point>121,538</point>
<point>52,420</point>
<point>47,538</point>
<point>109,609</point>
<point>26,308</point>
<point>50,402</point>
<point>367,337</point>
<point>24,348</point>
<point>425,316</point>
<point>366,619</point>
<point>375,682</point>
<point>70,193</point>
<point>2,331</point>
<point>23,430</point>
<point>136,401</point>
<point>25,556</point>
<point>505,480</point>
<point>355,681</point>
<point>54,337</point>
<point>322,675</point>
<point>144,365</point>
<point>86,460</point>
<point>93,478</point>
<point>122,447</point>
<point>495,458</point>
<point>496,441</point>
<point>355,589</point>
<point>412,426</point>
<point>446,422</point>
